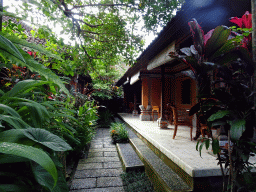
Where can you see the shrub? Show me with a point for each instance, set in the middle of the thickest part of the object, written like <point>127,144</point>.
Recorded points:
<point>105,118</point>
<point>118,133</point>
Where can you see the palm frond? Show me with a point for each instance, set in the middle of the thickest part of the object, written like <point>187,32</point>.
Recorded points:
<point>24,86</point>
<point>17,56</point>
<point>23,43</point>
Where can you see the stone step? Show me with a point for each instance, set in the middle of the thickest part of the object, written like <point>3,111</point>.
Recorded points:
<point>161,175</point>
<point>129,158</point>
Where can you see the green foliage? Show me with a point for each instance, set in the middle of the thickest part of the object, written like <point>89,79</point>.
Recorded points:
<point>20,143</point>
<point>104,32</point>
<point>105,118</point>
<point>118,133</point>
<point>228,101</point>
<point>18,56</point>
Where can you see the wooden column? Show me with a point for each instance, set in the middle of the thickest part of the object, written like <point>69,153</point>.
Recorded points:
<point>1,18</point>
<point>162,122</point>
<point>253,3</point>
<point>135,112</point>
<point>149,94</point>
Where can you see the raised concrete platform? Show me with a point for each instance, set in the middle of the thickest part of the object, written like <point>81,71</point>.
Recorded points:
<point>200,173</point>
<point>162,176</point>
<point>129,158</point>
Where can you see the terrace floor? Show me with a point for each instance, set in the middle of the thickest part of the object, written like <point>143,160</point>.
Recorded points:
<point>181,150</point>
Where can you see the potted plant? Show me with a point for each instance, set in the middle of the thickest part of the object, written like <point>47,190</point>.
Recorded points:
<point>118,133</point>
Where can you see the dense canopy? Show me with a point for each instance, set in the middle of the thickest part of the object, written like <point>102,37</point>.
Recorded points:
<point>104,32</point>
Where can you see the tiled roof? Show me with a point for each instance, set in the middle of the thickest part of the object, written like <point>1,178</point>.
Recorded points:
<point>27,28</point>
<point>209,15</point>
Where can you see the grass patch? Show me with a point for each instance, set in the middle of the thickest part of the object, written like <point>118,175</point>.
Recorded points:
<point>136,182</point>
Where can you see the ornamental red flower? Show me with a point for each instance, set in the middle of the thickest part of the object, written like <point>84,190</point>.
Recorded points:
<point>244,22</point>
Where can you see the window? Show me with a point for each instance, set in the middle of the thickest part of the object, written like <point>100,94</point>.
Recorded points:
<point>186,91</point>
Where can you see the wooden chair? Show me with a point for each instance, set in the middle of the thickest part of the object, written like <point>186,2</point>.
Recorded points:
<point>169,114</point>
<point>181,117</point>
<point>131,107</point>
<point>155,108</point>
<point>203,127</point>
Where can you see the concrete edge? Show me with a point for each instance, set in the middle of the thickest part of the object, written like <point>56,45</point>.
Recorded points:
<point>125,167</point>
<point>156,179</point>
<point>169,162</point>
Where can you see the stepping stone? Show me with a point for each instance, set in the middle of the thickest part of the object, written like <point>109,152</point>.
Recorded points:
<point>129,158</point>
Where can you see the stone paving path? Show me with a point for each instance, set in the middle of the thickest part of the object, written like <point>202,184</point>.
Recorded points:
<point>100,172</point>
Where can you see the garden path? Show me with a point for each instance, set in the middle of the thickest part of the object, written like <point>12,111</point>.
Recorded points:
<point>100,171</point>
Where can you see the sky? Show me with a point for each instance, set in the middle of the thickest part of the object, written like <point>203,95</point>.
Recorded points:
<point>148,37</point>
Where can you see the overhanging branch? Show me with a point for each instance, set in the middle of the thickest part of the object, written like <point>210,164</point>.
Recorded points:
<point>105,5</point>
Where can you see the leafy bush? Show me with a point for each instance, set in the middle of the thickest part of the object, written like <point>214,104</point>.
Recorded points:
<point>28,154</point>
<point>105,118</point>
<point>227,101</point>
<point>118,133</point>
<point>85,126</point>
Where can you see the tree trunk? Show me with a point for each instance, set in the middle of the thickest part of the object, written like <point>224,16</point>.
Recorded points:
<point>254,33</point>
<point>1,10</point>
<point>253,2</point>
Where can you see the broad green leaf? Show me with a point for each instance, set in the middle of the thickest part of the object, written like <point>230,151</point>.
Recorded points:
<point>12,135</point>
<point>207,143</point>
<point>227,47</point>
<point>6,46</point>
<point>23,43</point>
<point>215,146</point>
<point>31,153</point>
<point>62,115</point>
<point>18,56</point>
<point>200,148</point>
<point>5,158</point>
<point>44,179</point>
<point>1,92</point>
<point>37,112</point>
<point>24,86</point>
<point>34,66</point>
<point>80,112</point>
<point>227,58</point>
<point>13,188</point>
<point>217,40</point>
<point>15,122</point>
<point>47,139</point>
<point>42,176</point>
<point>9,110</point>
<point>61,184</point>
<point>237,128</point>
<point>218,123</point>
<point>218,115</point>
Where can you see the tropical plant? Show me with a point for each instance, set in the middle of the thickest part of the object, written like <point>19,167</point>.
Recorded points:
<point>221,63</point>
<point>118,133</point>
<point>25,149</point>
<point>87,118</point>
<point>11,51</point>
<point>28,152</point>
<point>105,117</point>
